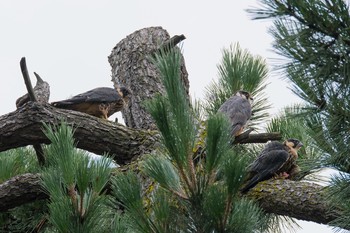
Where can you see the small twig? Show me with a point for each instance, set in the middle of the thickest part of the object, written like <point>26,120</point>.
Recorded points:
<point>172,42</point>
<point>39,154</point>
<point>38,77</point>
<point>27,79</point>
<point>37,147</point>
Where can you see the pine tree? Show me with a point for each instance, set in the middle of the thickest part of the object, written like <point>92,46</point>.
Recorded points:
<point>314,38</point>
<point>195,171</point>
<point>195,193</point>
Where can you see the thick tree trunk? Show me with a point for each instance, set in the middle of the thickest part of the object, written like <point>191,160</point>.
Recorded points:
<point>131,62</point>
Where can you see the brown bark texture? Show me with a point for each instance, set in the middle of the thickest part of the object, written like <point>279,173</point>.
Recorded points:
<point>132,67</point>
<point>20,190</point>
<point>298,199</point>
<point>25,127</point>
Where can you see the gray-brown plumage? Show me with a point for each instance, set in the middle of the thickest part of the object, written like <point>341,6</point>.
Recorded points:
<point>41,91</point>
<point>276,160</point>
<point>101,102</point>
<point>238,109</point>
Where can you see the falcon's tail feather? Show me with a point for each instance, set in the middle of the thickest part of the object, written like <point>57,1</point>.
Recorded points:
<point>250,184</point>
<point>255,180</point>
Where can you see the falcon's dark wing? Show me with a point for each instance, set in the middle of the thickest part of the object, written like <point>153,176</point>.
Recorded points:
<point>97,95</point>
<point>274,145</point>
<point>100,102</point>
<point>265,166</point>
<point>238,110</point>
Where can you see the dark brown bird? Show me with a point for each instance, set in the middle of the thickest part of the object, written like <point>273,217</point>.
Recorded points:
<point>41,91</point>
<point>101,102</point>
<point>238,109</point>
<point>276,160</point>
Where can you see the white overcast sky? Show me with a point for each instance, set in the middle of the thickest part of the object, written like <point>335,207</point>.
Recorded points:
<point>67,43</point>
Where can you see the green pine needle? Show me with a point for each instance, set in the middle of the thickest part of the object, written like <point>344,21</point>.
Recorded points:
<point>74,184</point>
<point>214,203</point>
<point>17,161</point>
<point>163,171</point>
<point>127,192</point>
<point>217,141</point>
<point>239,70</point>
<point>246,216</point>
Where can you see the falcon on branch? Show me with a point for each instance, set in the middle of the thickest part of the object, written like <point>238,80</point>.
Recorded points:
<point>100,102</point>
<point>238,109</point>
<point>276,160</point>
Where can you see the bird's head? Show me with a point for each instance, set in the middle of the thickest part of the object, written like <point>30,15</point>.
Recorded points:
<point>245,95</point>
<point>293,143</point>
<point>124,92</point>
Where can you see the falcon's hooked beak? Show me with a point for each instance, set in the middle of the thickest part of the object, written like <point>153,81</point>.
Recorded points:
<point>251,100</point>
<point>299,145</point>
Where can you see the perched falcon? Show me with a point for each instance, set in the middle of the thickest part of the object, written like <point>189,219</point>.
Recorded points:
<point>41,91</point>
<point>238,109</point>
<point>276,160</point>
<point>101,102</point>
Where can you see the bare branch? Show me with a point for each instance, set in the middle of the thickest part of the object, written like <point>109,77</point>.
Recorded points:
<point>26,78</point>
<point>37,147</point>
<point>172,42</point>
<point>257,138</point>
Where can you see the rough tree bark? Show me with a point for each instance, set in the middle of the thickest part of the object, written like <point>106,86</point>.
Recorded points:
<point>131,62</point>
<point>295,199</point>
<point>132,68</point>
<point>20,190</point>
<point>25,127</point>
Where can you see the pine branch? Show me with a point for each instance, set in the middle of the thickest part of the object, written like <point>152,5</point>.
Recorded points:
<point>92,134</point>
<point>257,138</point>
<point>305,201</point>
<point>20,190</point>
<point>19,131</point>
<point>172,42</point>
<point>302,200</point>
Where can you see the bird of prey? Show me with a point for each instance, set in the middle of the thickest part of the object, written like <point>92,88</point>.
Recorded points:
<point>276,160</point>
<point>238,109</point>
<point>101,102</point>
<point>41,91</point>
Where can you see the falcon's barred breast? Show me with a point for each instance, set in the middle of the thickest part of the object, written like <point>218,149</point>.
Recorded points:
<point>101,102</point>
